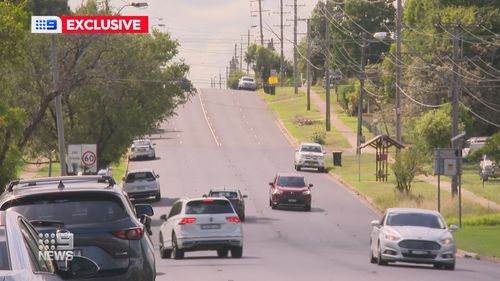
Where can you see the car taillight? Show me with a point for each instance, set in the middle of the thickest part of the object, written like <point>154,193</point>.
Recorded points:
<point>187,221</point>
<point>233,219</point>
<point>129,234</point>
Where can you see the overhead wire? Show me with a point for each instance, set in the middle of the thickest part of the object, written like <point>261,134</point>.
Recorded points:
<point>479,116</point>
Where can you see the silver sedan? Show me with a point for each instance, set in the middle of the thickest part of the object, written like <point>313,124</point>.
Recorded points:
<point>413,235</point>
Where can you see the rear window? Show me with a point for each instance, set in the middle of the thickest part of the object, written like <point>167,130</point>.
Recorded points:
<point>208,207</point>
<point>4,251</point>
<point>248,79</point>
<point>291,181</point>
<point>140,176</point>
<point>72,208</point>
<point>227,194</point>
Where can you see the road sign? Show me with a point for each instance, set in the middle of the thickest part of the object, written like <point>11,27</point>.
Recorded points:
<point>82,158</point>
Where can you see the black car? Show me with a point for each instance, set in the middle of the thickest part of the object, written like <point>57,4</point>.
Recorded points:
<point>235,197</point>
<point>19,254</point>
<point>104,224</point>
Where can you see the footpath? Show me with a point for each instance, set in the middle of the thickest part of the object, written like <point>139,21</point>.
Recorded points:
<point>350,135</point>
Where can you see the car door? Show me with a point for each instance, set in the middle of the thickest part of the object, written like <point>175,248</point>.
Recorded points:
<point>168,226</point>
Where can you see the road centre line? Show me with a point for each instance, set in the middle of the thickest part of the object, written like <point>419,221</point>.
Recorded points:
<point>208,122</point>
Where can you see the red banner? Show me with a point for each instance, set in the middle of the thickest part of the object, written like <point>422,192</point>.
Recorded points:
<point>105,24</point>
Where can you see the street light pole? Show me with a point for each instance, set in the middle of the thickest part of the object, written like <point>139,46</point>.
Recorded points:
<point>59,117</point>
<point>399,18</point>
<point>361,95</point>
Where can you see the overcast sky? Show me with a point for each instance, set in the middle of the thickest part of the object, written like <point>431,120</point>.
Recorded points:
<point>208,29</point>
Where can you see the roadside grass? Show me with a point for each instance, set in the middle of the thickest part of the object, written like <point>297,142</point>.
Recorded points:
<point>349,121</point>
<point>119,169</point>
<point>288,106</point>
<point>482,240</point>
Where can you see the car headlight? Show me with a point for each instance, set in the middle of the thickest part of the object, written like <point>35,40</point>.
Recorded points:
<point>307,192</point>
<point>447,241</point>
<point>392,237</point>
<point>277,191</point>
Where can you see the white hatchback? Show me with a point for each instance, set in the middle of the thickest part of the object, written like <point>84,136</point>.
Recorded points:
<point>201,224</point>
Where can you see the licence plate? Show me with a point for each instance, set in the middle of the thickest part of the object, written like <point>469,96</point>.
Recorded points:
<point>419,252</point>
<point>140,188</point>
<point>210,226</point>
<point>292,200</point>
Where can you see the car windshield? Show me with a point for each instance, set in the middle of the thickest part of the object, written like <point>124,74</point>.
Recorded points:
<point>311,148</point>
<point>140,176</point>
<point>72,208</point>
<point>227,194</point>
<point>415,219</point>
<point>248,79</point>
<point>208,206</point>
<point>4,252</point>
<point>142,143</point>
<point>291,181</point>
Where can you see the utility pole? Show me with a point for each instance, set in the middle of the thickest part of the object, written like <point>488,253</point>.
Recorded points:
<point>399,20</point>
<point>295,67</point>
<point>454,91</point>
<point>59,117</point>
<point>361,94</point>
<point>241,53</point>
<point>260,20</point>
<point>248,45</point>
<point>220,80</point>
<point>227,77</point>
<point>282,57</point>
<point>327,72</point>
<point>308,65</point>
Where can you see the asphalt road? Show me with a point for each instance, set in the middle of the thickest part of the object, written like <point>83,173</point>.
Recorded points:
<point>229,139</point>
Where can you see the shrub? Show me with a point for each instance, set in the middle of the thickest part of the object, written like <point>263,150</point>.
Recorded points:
<point>318,136</point>
<point>407,166</point>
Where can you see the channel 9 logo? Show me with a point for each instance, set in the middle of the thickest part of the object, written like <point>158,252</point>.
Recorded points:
<point>46,24</point>
<point>56,246</point>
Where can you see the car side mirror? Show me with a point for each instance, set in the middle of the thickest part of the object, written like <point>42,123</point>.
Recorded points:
<point>143,209</point>
<point>244,196</point>
<point>157,176</point>
<point>310,185</point>
<point>375,223</point>
<point>163,217</point>
<point>271,183</point>
<point>204,196</point>
<point>453,228</point>
<point>81,268</point>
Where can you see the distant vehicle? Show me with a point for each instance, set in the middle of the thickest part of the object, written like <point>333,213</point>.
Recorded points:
<point>142,183</point>
<point>310,155</point>
<point>413,235</point>
<point>472,144</point>
<point>201,224</point>
<point>234,196</point>
<point>105,172</point>
<point>142,148</point>
<point>247,83</point>
<point>19,254</point>
<point>290,190</point>
<point>106,227</point>
<point>488,169</point>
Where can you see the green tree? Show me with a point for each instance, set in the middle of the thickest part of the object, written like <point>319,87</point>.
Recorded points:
<point>492,148</point>
<point>234,78</point>
<point>408,164</point>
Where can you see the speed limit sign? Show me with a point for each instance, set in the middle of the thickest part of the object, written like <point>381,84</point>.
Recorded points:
<point>88,158</point>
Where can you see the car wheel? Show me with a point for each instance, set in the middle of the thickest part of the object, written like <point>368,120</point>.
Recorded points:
<point>237,252</point>
<point>158,196</point>
<point>164,253</point>
<point>176,252</point>
<point>380,261</point>
<point>437,265</point>
<point>274,206</point>
<point>449,266</point>
<point>307,208</point>
<point>242,217</point>
<point>295,167</point>
<point>298,168</point>
<point>372,258</point>
<point>222,253</point>
<point>153,157</point>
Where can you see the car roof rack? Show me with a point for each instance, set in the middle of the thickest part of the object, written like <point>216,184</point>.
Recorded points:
<point>62,180</point>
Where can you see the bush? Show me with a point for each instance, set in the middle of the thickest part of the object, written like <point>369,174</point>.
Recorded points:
<point>234,78</point>
<point>318,136</point>
<point>407,165</point>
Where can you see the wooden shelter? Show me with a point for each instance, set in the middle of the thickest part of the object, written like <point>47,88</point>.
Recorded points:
<point>382,143</point>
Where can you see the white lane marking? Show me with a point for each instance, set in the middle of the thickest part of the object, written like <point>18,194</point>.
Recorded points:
<point>208,122</point>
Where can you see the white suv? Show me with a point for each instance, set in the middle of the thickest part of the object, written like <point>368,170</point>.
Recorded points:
<point>201,224</point>
<point>142,148</point>
<point>142,183</point>
<point>310,155</point>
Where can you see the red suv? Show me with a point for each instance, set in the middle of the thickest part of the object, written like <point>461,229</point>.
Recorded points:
<point>290,189</point>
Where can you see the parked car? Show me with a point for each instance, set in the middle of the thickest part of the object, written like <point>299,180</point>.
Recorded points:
<point>247,83</point>
<point>142,148</point>
<point>105,226</point>
<point>19,254</point>
<point>413,235</point>
<point>290,190</point>
<point>310,155</point>
<point>488,169</point>
<point>234,196</point>
<point>201,224</point>
<point>473,144</point>
<point>142,183</point>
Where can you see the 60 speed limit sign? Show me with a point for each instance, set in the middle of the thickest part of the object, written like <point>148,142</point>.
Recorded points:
<point>88,158</point>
